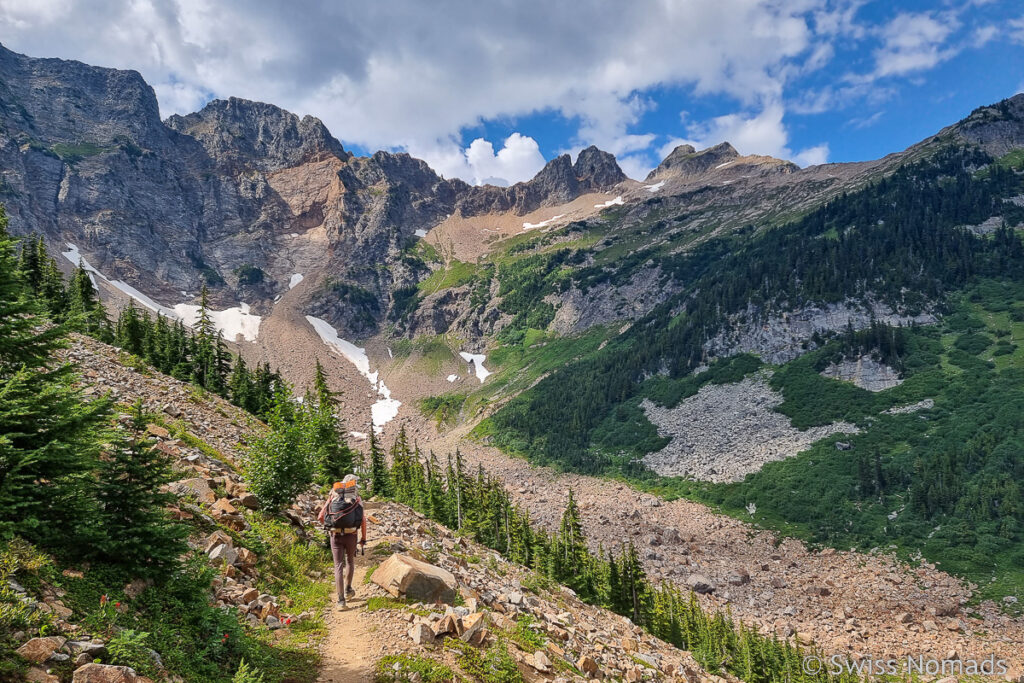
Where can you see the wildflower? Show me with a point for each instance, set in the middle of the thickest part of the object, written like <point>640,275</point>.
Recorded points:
<point>103,600</point>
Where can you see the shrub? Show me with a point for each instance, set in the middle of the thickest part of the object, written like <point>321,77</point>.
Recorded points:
<point>129,648</point>
<point>247,674</point>
<point>401,667</point>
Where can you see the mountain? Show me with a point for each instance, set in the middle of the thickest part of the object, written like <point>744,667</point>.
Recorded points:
<point>832,352</point>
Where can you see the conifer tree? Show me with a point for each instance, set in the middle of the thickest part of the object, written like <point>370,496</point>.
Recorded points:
<point>380,476</point>
<point>277,466</point>
<point>49,436</point>
<point>85,311</point>
<point>135,530</point>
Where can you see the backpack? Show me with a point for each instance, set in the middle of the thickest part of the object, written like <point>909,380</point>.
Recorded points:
<point>344,514</point>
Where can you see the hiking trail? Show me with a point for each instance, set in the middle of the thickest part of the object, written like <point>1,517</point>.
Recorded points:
<point>350,650</point>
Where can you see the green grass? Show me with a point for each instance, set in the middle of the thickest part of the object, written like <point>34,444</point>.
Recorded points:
<point>444,409</point>
<point>195,639</point>
<point>435,352</point>
<point>452,274</point>
<point>286,563</point>
<point>401,667</point>
<point>76,152</point>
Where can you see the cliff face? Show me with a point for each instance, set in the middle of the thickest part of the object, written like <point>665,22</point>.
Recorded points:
<point>239,187</point>
<point>242,196</point>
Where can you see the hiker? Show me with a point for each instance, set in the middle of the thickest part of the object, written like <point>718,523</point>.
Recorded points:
<point>342,517</point>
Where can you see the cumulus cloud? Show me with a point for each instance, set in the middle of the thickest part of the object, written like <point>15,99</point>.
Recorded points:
<point>758,133</point>
<point>914,42</point>
<point>414,75</point>
<point>518,159</point>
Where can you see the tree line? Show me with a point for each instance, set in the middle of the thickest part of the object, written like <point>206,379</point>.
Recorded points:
<point>479,506</point>
<point>194,354</point>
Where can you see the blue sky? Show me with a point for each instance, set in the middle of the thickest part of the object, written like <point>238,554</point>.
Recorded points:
<point>490,91</point>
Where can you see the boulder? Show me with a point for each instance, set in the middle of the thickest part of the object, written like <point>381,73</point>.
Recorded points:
<point>447,624</point>
<point>699,583</point>
<point>470,624</point>
<point>246,557</point>
<point>739,577</point>
<point>38,650</point>
<point>587,665</point>
<point>223,506</point>
<point>39,675</point>
<point>250,501</point>
<point>541,662</point>
<point>224,553</point>
<point>197,487</point>
<point>421,634</point>
<point>403,576</point>
<point>104,673</point>
<point>217,538</point>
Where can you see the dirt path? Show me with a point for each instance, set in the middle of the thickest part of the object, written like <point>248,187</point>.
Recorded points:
<point>350,651</point>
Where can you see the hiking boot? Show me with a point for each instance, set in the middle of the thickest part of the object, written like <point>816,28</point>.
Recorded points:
<point>342,605</point>
<point>350,591</point>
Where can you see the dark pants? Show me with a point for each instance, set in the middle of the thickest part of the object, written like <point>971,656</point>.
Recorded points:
<point>343,546</point>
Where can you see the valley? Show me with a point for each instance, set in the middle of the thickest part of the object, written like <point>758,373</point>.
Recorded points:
<point>795,392</point>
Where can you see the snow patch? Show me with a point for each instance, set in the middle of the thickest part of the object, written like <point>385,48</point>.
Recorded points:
<point>385,408</point>
<point>230,322</point>
<point>611,202</point>
<point>724,165</point>
<point>295,279</point>
<point>542,224</point>
<point>359,435</point>
<point>420,233</point>
<point>477,361</point>
<point>655,187</point>
<point>452,378</point>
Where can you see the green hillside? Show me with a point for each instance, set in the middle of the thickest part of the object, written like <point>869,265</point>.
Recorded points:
<point>900,241</point>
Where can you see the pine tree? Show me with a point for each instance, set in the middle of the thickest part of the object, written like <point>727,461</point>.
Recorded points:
<point>380,477</point>
<point>136,532</point>
<point>331,456</point>
<point>277,466</point>
<point>240,389</point>
<point>85,311</point>
<point>49,436</point>
<point>572,545</point>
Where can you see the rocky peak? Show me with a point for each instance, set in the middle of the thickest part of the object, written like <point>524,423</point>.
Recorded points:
<point>559,182</point>
<point>62,101</point>
<point>556,182</point>
<point>596,169</point>
<point>997,128</point>
<point>248,134</point>
<point>684,160</point>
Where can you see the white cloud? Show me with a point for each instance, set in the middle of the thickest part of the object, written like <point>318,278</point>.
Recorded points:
<point>1016,29</point>
<point>760,133</point>
<point>518,159</point>
<point>414,75</point>
<point>914,42</point>
<point>812,156</point>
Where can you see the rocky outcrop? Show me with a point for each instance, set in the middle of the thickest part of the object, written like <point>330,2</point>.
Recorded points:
<point>684,160</point>
<point>997,128</point>
<point>252,135</point>
<point>864,372</point>
<point>781,337</point>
